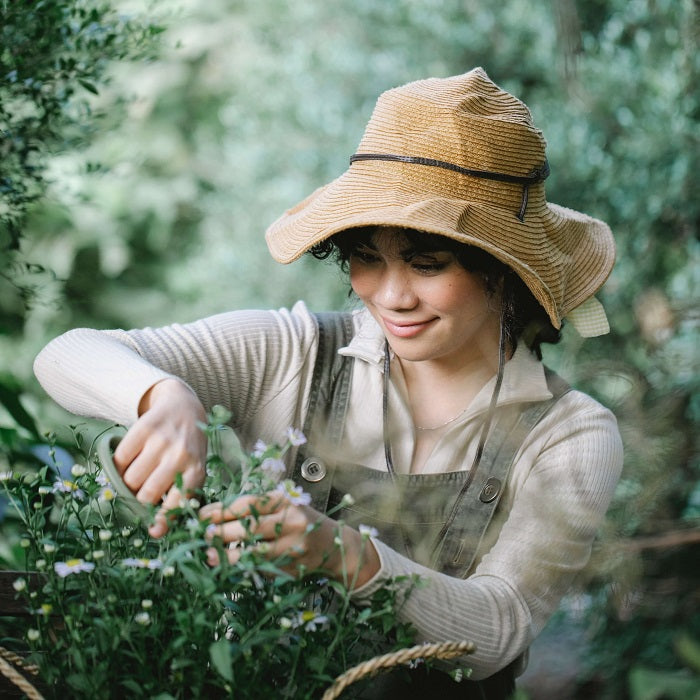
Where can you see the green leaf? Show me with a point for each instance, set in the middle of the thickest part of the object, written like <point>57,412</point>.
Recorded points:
<point>9,398</point>
<point>220,655</point>
<point>89,87</point>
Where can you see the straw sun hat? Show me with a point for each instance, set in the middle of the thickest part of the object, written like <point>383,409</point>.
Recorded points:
<point>460,157</point>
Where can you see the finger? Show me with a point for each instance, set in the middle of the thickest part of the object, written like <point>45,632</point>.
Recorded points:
<point>140,468</point>
<point>129,447</point>
<point>172,500</point>
<point>242,507</point>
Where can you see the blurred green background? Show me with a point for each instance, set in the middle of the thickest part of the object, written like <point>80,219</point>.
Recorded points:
<point>146,146</point>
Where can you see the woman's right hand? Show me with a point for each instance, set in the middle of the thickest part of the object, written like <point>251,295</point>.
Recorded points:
<point>166,440</point>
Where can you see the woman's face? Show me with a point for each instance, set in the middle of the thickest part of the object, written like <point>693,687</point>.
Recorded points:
<point>429,307</point>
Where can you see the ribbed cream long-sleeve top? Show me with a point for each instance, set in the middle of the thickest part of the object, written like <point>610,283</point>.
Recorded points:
<point>259,365</point>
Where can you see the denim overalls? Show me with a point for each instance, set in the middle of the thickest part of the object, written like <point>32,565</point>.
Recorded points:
<point>437,520</point>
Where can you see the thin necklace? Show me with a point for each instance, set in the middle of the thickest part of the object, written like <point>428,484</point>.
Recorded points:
<point>442,425</point>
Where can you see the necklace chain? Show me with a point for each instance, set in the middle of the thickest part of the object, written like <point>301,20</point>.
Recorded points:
<point>442,425</point>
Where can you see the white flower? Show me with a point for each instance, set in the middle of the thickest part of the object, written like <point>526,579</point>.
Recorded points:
<point>168,570</point>
<point>126,531</point>
<point>49,547</point>
<point>78,470</point>
<point>142,618</point>
<point>347,500</point>
<point>24,543</point>
<point>5,476</point>
<point>72,566</point>
<point>105,535</point>
<point>67,486</point>
<point>293,493</point>
<point>194,503</point>
<point>98,554</point>
<point>285,623</point>
<point>19,584</point>
<point>146,604</point>
<point>142,563</point>
<point>138,543</point>
<point>295,437</point>
<point>366,531</point>
<point>45,609</point>
<point>102,479</point>
<point>107,493</point>
<point>43,490</point>
<point>40,564</point>
<point>310,620</point>
<point>259,448</point>
<point>273,466</point>
<point>32,635</point>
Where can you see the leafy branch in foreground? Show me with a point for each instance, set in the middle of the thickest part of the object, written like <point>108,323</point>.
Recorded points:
<point>117,612</point>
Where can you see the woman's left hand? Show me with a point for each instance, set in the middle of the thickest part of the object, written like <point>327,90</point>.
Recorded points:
<point>312,541</point>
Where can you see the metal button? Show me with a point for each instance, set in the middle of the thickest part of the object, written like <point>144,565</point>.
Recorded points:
<point>313,469</point>
<point>491,489</point>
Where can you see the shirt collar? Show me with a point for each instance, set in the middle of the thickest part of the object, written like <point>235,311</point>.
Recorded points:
<point>523,375</point>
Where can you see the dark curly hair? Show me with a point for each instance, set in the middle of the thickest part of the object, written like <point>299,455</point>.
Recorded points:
<point>523,316</point>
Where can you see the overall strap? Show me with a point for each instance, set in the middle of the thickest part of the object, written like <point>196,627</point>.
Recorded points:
<point>471,516</point>
<point>328,404</point>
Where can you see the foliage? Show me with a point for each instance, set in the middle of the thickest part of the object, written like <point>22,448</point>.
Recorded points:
<point>110,598</point>
<point>252,105</point>
<point>54,53</point>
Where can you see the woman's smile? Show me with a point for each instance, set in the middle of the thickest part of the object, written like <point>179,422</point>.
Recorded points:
<point>428,305</point>
<point>404,328</point>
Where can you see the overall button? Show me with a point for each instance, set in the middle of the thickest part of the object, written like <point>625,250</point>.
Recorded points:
<point>491,489</point>
<point>313,469</point>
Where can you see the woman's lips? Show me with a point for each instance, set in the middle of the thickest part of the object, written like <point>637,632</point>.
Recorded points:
<point>404,329</point>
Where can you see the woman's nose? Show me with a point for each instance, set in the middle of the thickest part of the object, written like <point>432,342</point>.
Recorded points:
<point>394,289</point>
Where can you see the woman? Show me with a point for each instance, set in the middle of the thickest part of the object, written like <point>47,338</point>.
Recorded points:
<point>480,470</point>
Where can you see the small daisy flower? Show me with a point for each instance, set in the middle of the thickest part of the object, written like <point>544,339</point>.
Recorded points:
<point>259,449</point>
<point>5,476</point>
<point>293,493</point>
<point>40,564</point>
<point>44,490</point>
<point>310,620</point>
<point>286,623</point>
<point>146,604</point>
<point>273,466</point>
<point>142,618</point>
<point>126,531</point>
<point>142,563</point>
<point>32,635</point>
<point>72,566</point>
<point>366,531</point>
<point>138,543</point>
<point>105,535</point>
<point>49,547</point>
<point>78,470</point>
<point>67,486</point>
<point>107,493</point>
<point>295,437</point>
<point>98,554</point>
<point>46,609</point>
<point>19,584</point>
<point>168,570</point>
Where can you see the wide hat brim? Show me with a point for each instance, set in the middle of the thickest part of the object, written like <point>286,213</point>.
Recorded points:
<point>562,255</point>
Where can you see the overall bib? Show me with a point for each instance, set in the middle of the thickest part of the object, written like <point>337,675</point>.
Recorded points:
<point>437,520</point>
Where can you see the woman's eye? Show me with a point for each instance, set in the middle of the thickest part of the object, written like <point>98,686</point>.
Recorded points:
<point>364,256</point>
<point>427,266</point>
